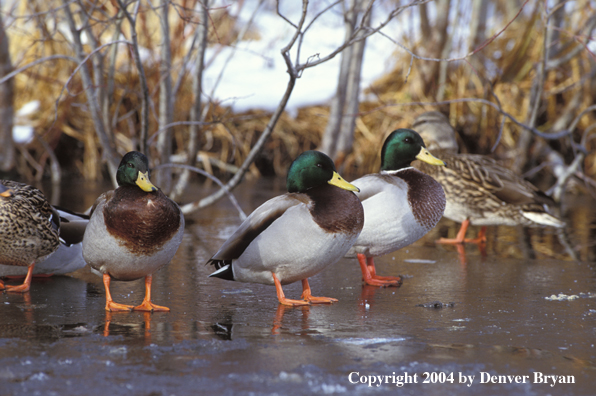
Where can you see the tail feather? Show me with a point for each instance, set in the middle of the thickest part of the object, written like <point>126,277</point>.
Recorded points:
<point>224,269</point>
<point>544,219</point>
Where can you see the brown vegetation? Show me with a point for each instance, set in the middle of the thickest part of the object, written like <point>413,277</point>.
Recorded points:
<point>503,71</point>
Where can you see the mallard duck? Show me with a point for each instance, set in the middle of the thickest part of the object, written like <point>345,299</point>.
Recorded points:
<point>401,204</point>
<point>133,231</point>
<point>29,231</point>
<point>296,235</point>
<point>479,191</point>
<point>69,255</point>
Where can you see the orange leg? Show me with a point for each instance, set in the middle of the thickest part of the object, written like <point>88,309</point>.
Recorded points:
<point>147,305</point>
<point>461,235</point>
<point>1,285</point>
<point>110,304</point>
<point>480,239</point>
<point>106,327</point>
<point>369,273</point>
<point>373,272</point>
<point>307,296</point>
<point>26,283</point>
<point>282,298</point>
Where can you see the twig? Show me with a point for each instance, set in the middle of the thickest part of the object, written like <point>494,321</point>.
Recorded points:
<point>235,180</point>
<point>100,128</point>
<point>357,35</point>
<point>175,123</point>
<point>142,77</point>
<point>548,136</point>
<point>559,187</point>
<point>224,188</point>
<point>196,115</point>
<point>166,100</point>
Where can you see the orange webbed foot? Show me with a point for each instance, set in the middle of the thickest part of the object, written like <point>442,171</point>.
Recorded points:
<point>369,274</point>
<point>382,282</point>
<point>147,305</point>
<point>450,241</point>
<point>321,300</point>
<point>282,298</point>
<point>111,306</point>
<point>293,303</point>
<point>24,287</point>
<point>150,307</point>
<point>480,238</point>
<point>17,289</point>
<point>307,295</point>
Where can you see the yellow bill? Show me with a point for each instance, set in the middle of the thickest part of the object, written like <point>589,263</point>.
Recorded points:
<point>340,182</point>
<point>7,194</point>
<point>144,182</point>
<point>426,156</point>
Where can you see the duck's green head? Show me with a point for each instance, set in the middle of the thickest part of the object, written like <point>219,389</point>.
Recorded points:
<point>134,170</point>
<point>311,169</point>
<point>402,147</point>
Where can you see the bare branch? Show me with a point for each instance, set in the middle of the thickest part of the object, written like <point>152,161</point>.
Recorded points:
<point>555,63</point>
<point>100,129</point>
<point>359,35</point>
<point>35,63</point>
<point>210,176</point>
<point>559,187</point>
<point>268,129</point>
<point>6,105</point>
<point>548,136</point>
<point>142,77</point>
<point>197,88</point>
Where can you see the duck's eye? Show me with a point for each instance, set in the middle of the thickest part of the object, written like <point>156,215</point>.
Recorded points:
<point>408,140</point>
<point>129,165</point>
<point>319,165</point>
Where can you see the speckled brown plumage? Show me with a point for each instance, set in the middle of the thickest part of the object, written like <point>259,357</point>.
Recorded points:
<point>480,190</point>
<point>29,226</point>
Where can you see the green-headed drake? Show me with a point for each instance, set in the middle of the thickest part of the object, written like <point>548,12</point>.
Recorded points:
<point>401,204</point>
<point>296,235</point>
<point>133,231</point>
<point>479,191</point>
<point>29,229</point>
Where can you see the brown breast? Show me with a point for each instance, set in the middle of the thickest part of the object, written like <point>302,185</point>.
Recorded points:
<point>142,221</point>
<point>425,196</point>
<point>336,210</point>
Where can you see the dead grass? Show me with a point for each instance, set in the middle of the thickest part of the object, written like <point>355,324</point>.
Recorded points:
<point>66,123</point>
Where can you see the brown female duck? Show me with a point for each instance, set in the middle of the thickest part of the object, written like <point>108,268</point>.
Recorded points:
<point>29,229</point>
<point>479,191</point>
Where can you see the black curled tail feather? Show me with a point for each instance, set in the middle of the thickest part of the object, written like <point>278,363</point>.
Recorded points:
<point>224,269</point>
